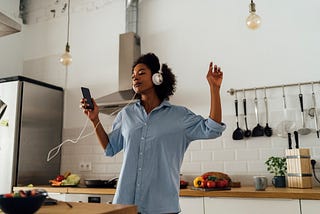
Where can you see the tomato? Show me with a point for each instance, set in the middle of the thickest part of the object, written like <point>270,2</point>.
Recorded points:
<point>225,182</point>
<point>204,184</point>
<point>59,178</point>
<point>205,176</point>
<point>211,184</point>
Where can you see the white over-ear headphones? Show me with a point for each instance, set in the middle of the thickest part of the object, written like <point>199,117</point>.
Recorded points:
<point>157,78</point>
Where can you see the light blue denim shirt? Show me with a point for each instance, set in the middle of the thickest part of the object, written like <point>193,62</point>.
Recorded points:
<point>153,148</point>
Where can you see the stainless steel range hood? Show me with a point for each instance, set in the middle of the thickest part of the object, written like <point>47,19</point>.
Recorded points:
<point>8,25</point>
<point>129,51</point>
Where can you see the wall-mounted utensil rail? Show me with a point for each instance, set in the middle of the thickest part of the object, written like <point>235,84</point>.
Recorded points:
<point>231,91</point>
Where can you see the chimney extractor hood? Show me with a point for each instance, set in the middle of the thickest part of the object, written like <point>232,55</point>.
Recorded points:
<point>129,51</point>
<point>8,25</point>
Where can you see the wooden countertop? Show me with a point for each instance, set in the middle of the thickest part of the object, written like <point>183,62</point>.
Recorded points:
<point>242,192</point>
<point>87,208</point>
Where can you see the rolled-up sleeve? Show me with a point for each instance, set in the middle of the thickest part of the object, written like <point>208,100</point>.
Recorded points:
<point>197,127</point>
<point>115,144</point>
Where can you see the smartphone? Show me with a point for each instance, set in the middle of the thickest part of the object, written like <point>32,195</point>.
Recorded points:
<point>86,94</point>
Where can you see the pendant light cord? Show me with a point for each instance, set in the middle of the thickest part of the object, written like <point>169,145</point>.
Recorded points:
<point>68,22</point>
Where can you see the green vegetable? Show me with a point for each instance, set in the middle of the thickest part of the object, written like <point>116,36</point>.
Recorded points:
<point>72,179</point>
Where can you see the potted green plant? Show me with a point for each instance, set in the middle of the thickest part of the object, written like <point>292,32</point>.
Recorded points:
<point>278,167</point>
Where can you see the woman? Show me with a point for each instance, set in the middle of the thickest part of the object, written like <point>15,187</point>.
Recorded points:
<point>154,136</point>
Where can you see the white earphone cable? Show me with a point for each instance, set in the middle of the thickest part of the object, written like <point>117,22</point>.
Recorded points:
<point>56,149</point>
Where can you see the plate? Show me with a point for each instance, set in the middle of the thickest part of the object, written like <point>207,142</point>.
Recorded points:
<point>211,189</point>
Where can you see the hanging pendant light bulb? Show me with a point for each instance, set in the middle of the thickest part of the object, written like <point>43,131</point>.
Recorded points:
<point>66,58</point>
<point>253,20</point>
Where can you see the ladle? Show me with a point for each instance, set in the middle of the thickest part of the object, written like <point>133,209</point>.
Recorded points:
<point>267,129</point>
<point>238,133</point>
<point>286,126</point>
<point>258,130</point>
<point>247,132</point>
<point>303,130</point>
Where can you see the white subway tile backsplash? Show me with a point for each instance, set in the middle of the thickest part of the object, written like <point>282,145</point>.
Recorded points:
<point>229,143</point>
<point>212,144</point>
<point>236,166</point>
<point>224,155</point>
<point>215,166</point>
<point>191,168</point>
<point>201,156</point>
<point>266,153</point>
<point>113,168</point>
<point>257,166</point>
<point>247,154</point>
<point>99,168</point>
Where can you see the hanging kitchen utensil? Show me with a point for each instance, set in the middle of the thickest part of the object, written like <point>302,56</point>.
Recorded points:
<point>3,108</point>
<point>247,132</point>
<point>289,141</point>
<point>296,138</point>
<point>285,126</point>
<point>315,111</point>
<point>238,133</point>
<point>258,130</point>
<point>267,128</point>
<point>303,130</point>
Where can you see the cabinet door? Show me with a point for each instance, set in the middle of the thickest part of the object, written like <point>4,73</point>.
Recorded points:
<point>310,206</point>
<point>57,196</point>
<point>251,205</point>
<point>89,198</point>
<point>191,205</point>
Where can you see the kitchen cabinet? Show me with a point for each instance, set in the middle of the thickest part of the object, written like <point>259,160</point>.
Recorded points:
<point>57,196</point>
<point>89,198</point>
<point>251,205</point>
<point>310,206</point>
<point>191,205</point>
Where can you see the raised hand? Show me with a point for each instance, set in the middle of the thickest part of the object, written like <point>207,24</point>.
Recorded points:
<point>214,76</point>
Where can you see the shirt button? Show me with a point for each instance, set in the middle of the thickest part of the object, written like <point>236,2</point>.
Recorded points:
<point>142,138</point>
<point>138,184</point>
<point>140,169</point>
<point>145,124</point>
<point>140,153</point>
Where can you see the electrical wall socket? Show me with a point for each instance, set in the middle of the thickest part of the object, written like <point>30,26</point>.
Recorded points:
<point>85,166</point>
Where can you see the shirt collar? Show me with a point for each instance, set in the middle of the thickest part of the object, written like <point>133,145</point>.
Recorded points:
<point>164,103</point>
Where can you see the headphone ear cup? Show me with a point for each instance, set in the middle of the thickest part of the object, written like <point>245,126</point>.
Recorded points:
<point>157,78</point>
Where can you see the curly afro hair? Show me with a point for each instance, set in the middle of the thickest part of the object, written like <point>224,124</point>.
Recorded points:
<point>168,86</point>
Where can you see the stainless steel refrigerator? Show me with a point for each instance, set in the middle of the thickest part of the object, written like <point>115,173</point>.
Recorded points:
<point>31,117</point>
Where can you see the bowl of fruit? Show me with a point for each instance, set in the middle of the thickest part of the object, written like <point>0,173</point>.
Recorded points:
<point>212,181</point>
<point>22,202</point>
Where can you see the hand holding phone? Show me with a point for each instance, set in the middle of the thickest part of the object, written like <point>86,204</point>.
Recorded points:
<point>86,94</point>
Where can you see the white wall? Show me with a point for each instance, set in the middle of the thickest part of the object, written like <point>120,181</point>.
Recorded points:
<point>11,46</point>
<point>186,35</point>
